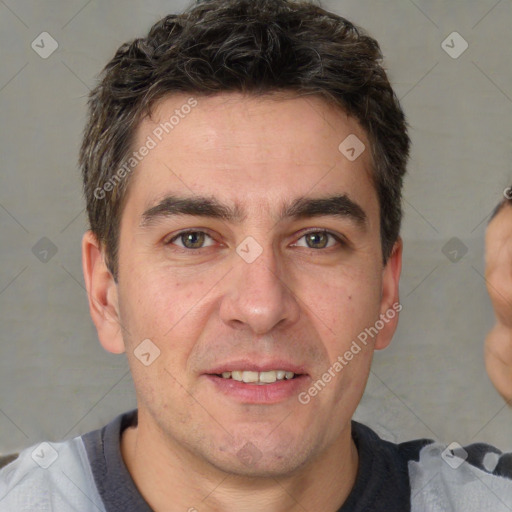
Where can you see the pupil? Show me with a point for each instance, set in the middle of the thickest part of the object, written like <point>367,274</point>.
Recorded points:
<point>313,237</point>
<point>190,237</point>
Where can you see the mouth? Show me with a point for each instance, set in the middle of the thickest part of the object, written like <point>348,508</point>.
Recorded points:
<point>258,378</point>
<point>264,385</point>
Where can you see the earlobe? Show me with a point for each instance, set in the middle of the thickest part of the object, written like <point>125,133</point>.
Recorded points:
<point>102,295</point>
<point>390,299</point>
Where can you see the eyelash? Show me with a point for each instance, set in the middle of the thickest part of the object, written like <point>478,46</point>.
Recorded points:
<point>339,239</point>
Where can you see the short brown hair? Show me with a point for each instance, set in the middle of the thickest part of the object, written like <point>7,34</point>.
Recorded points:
<point>250,46</point>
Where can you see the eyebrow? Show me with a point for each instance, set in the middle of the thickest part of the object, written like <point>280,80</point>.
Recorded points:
<point>303,207</point>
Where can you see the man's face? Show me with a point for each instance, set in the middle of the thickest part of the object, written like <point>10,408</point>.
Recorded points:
<point>255,292</point>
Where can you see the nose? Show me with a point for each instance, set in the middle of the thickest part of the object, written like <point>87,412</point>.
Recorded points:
<point>258,296</point>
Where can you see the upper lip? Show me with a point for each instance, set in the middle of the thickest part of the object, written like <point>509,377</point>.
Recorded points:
<point>260,366</point>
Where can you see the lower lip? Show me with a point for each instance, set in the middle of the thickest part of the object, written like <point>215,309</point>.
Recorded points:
<point>260,393</point>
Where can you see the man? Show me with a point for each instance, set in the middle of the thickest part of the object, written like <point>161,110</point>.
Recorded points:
<point>243,167</point>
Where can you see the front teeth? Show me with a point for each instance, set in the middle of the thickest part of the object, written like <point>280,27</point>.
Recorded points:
<point>250,377</point>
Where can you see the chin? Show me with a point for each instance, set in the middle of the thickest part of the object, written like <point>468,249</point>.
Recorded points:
<point>281,458</point>
<point>265,468</point>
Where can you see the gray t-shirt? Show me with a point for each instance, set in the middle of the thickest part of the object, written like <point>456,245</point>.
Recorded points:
<point>88,473</point>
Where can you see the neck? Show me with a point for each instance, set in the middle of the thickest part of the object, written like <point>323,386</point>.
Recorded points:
<point>165,472</point>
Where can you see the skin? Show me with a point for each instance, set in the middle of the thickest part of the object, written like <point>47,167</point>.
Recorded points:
<point>498,274</point>
<point>300,304</point>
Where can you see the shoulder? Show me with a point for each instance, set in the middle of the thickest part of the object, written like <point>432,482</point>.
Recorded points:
<point>431,477</point>
<point>49,476</point>
<point>391,454</point>
<point>382,482</point>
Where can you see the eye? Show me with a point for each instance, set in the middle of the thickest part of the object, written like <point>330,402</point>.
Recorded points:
<point>190,239</point>
<point>319,239</point>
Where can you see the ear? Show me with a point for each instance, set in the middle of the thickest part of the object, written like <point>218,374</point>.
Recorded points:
<point>102,295</point>
<point>390,301</point>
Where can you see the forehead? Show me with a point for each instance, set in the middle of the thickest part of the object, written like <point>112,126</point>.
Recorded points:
<point>254,152</point>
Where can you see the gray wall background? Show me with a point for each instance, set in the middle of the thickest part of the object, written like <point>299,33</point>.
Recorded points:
<point>55,379</point>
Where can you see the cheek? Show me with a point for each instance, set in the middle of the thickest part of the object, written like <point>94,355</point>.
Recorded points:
<point>346,302</point>
<point>167,309</point>
<point>163,297</point>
